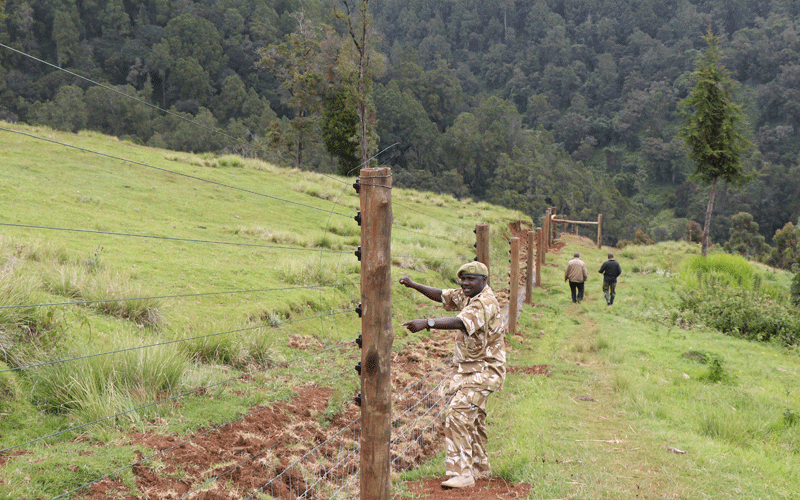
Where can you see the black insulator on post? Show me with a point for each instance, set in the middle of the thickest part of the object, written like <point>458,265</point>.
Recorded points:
<point>358,217</point>
<point>358,367</point>
<point>357,399</point>
<point>357,185</point>
<point>358,253</point>
<point>359,340</point>
<point>359,310</point>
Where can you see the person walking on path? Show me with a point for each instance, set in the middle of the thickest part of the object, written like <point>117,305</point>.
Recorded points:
<point>577,274</point>
<point>479,368</point>
<point>610,271</point>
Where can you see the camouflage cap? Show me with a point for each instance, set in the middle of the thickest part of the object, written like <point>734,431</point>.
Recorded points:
<point>473,268</point>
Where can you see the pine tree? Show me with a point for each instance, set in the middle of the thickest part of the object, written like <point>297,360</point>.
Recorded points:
<point>710,128</point>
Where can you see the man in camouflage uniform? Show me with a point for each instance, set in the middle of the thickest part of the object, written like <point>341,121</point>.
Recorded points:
<point>479,370</point>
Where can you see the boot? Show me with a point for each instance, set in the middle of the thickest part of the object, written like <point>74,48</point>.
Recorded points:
<point>608,300</point>
<point>464,481</point>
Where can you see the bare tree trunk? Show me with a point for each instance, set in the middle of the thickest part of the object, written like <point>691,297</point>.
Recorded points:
<point>360,41</point>
<point>710,208</point>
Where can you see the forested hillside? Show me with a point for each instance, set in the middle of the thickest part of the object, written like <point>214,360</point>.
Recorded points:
<point>565,103</point>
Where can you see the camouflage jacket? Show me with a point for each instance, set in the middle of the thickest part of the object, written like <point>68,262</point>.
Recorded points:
<point>480,353</point>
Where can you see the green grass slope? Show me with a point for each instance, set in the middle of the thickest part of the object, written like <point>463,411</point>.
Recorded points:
<point>226,265</point>
<point>234,261</point>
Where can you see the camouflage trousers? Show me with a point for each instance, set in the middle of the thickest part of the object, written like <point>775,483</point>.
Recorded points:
<point>465,432</point>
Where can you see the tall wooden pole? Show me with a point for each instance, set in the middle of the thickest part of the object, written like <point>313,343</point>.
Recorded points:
<point>599,231</point>
<point>546,225</point>
<point>482,245</point>
<point>529,269</point>
<point>377,332</point>
<point>513,299</point>
<point>539,254</point>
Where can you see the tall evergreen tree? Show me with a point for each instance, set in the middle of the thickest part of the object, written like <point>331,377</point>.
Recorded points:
<point>710,128</point>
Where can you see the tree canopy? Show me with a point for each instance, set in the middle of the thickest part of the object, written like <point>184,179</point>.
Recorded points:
<point>566,103</point>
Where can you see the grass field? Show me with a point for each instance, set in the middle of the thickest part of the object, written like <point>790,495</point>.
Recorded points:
<point>231,259</point>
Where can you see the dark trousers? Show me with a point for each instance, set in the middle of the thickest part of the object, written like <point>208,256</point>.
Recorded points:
<point>576,288</point>
<point>609,290</point>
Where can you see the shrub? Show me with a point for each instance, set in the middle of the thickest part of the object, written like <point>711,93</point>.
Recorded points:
<point>693,232</point>
<point>722,291</point>
<point>643,238</point>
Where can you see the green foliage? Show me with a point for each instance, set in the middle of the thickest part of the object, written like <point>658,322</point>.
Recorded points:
<point>786,252</point>
<point>795,290</point>
<point>745,239</point>
<point>67,111</point>
<point>711,128</point>
<point>711,121</point>
<point>643,238</point>
<point>340,130</point>
<point>721,291</point>
<point>605,91</point>
<point>693,232</point>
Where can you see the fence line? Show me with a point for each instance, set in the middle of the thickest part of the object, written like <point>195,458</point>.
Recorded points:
<point>174,296</point>
<point>172,238</point>
<point>161,452</point>
<point>176,341</point>
<point>166,400</point>
<point>172,171</point>
<point>416,428</point>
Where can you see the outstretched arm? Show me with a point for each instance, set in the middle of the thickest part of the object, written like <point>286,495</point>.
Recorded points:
<point>448,323</point>
<point>433,293</point>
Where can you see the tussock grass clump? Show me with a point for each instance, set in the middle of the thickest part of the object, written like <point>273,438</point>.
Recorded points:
<point>317,273</point>
<point>216,343</point>
<point>24,327</point>
<point>107,384</point>
<point>105,291</point>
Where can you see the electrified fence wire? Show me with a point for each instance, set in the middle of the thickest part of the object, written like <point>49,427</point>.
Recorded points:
<point>228,186</point>
<point>176,115</point>
<point>428,215</point>
<point>331,312</point>
<point>437,237</point>
<point>298,493</point>
<point>311,453</point>
<point>171,398</point>
<point>171,238</point>
<point>180,295</point>
<point>112,89</point>
<point>412,428</point>
<point>188,440</point>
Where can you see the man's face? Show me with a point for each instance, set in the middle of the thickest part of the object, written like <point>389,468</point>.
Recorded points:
<point>472,284</point>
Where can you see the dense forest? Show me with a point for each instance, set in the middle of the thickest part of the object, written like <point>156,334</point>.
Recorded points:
<point>574,104</point>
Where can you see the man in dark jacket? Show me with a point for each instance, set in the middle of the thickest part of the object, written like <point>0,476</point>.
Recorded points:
<point>610,271</point>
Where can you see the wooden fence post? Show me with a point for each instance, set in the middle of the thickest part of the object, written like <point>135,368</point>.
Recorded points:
<point>377,332</point>
<point>599,231</point>
<point>529,269</point>
<point>546,225</point>
<point>539,254</point>
<point>513,299</point>
<point>482,246</point>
